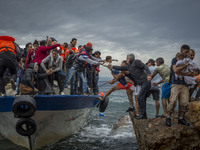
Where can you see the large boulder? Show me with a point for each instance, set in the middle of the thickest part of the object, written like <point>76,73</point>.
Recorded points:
<point>153,134</point>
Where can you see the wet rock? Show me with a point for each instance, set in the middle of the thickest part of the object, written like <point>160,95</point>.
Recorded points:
<point>121,124</point>
<point>153,134</point>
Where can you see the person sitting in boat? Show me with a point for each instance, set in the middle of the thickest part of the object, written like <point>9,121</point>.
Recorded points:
<point>78,66</point>
<point>54,62</point>
<point>29,80</point>
<point>9,52</point>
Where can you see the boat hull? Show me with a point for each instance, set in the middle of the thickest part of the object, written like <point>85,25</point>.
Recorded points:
<point>52,124</point>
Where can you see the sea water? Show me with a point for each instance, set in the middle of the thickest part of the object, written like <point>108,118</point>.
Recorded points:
<point>97,131</point>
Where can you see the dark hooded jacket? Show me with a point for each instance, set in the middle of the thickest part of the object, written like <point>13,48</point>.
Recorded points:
<point>138,71</point>
<point>30,75</point>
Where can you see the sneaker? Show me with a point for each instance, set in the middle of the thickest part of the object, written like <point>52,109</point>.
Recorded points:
<point>130,109</point>
<point>168,122</point>
<point>183,122</point>
<point>62,93</point>
<point>140,117</point>
<point>13,84</point>
<point>160,116</point>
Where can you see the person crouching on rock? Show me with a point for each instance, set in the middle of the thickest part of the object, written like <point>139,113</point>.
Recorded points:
<point>29,80</point>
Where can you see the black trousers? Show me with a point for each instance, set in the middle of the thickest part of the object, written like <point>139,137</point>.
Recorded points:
<point>55,76</point>
<point>7,61</point>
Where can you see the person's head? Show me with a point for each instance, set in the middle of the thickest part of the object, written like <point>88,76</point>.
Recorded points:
<point>185,50</point>
<point>150,62</point>
<point>55,54</point>
<point>89,50</point>
<point>130,58</point>
<point>97,54</point>
<point>124,63</point>
<point>89,44</point>
<point>109,59</point>
<point>35,67</point>
<point>28,46</point>
<point>148,77</point>
<point>159,61</point>
<point>179,56</point>
<point>66,45</point>
<point>79,47</point>
<point>43,43</point>
<point>191,54</point>
<point>73,42</point>
<point>35,45</point>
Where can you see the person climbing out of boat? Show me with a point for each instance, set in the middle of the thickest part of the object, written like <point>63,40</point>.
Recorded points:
<point>138,71</point>
<point>42,52</point>
<point>9,54</point>
<point>31,53</point>
<point>29,80</point>
<point>179,89</point>
<point>54,62</point>
<point>78,66</point>
<point>154,90</point>
<point>124,84</point>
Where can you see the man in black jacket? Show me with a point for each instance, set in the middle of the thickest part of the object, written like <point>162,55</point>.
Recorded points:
<point>139,71</point>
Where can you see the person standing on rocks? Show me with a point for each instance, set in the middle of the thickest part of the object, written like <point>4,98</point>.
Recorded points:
<point>179,89</point>
<point>164,71</point>
<point>154,90</point>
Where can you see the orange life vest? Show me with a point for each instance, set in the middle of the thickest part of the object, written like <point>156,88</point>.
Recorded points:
<point>6,44</point>
<point>198,79</point>
<point>63,52</point>
<point>74,49</point>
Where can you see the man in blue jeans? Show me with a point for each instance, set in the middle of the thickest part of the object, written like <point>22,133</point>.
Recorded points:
<point>139,71</point>
<point>78,66</point>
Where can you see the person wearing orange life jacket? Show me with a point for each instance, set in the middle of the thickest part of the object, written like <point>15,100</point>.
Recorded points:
<point>72,45</point>
<point>9,52</point>
<point>78,66</point>
<point>63,52</point>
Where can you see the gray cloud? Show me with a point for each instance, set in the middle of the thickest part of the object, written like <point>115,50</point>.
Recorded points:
<point>149,29</point>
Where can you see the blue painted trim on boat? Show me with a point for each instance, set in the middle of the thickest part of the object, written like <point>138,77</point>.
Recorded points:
<point>54,102</point>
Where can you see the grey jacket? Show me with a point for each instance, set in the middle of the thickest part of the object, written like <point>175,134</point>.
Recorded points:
<point>55,65</point>
<point>138,70</point>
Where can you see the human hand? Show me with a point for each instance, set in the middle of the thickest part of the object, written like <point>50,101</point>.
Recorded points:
<point>112,81</point>
<point>63,45</point>
<point>186,63</point>
<point>36,90</point>
<point>155,84</point>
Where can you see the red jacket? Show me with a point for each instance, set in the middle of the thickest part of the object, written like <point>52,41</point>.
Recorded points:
<point>42,52</point>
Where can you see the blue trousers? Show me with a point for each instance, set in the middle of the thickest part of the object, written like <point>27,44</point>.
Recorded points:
<point>70,75</point>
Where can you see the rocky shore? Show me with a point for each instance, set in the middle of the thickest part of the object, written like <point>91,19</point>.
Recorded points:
<point>153,134</point>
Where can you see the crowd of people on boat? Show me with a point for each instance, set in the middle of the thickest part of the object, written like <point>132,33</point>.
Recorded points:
<point>35,68</point>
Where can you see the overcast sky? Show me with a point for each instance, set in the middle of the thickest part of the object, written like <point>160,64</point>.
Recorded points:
<point>146,28</point>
